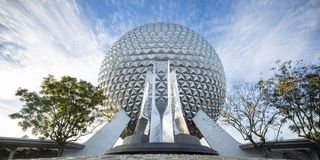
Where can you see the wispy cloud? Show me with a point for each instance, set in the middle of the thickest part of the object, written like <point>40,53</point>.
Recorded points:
<point>249,36</point>
<point>70,37</point>
<point>262,32</point>
<point>47,37</point>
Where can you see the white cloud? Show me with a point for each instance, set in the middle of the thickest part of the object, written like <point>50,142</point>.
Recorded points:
<point>47,37</point>
<point>260,33</point>
<point>55,37</point>
<point>40,38</point>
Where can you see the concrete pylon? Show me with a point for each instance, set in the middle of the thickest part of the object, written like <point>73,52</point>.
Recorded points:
<point>103,139</point>
<point>219,139</point>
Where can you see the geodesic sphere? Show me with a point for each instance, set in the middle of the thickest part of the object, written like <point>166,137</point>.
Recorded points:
<point>199,71</point>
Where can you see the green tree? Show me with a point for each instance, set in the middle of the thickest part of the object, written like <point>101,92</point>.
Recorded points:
<point>63,110</point>
<point>295,91</point>
<point>247,111</point>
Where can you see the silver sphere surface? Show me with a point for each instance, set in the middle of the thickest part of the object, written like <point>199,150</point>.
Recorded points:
<point>199,71</point>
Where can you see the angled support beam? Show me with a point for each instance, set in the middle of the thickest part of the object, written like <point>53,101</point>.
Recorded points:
<point>103,139</point>
<point>12,152</point>
<point>219,139</point>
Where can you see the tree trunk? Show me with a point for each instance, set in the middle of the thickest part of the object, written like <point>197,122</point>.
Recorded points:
<point>264,148</point>
<point>266,152</point>
<point>61,149</point>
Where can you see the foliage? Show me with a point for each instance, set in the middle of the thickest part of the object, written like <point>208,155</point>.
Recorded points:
<point>247,111</point>
<point>295,91</point>
<point>109,112</point>
<point>63,110</point>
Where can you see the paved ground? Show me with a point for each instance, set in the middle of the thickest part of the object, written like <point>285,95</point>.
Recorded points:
<point>153,157</point>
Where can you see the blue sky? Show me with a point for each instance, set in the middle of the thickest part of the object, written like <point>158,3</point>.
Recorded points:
<point>71,37</point>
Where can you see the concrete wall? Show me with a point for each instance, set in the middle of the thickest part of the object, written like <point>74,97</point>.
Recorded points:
<point>103,139</point>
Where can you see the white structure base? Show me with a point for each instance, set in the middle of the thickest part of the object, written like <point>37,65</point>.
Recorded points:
<point>219,139</point>
<point>215,135</point>
<point>103,139</point>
